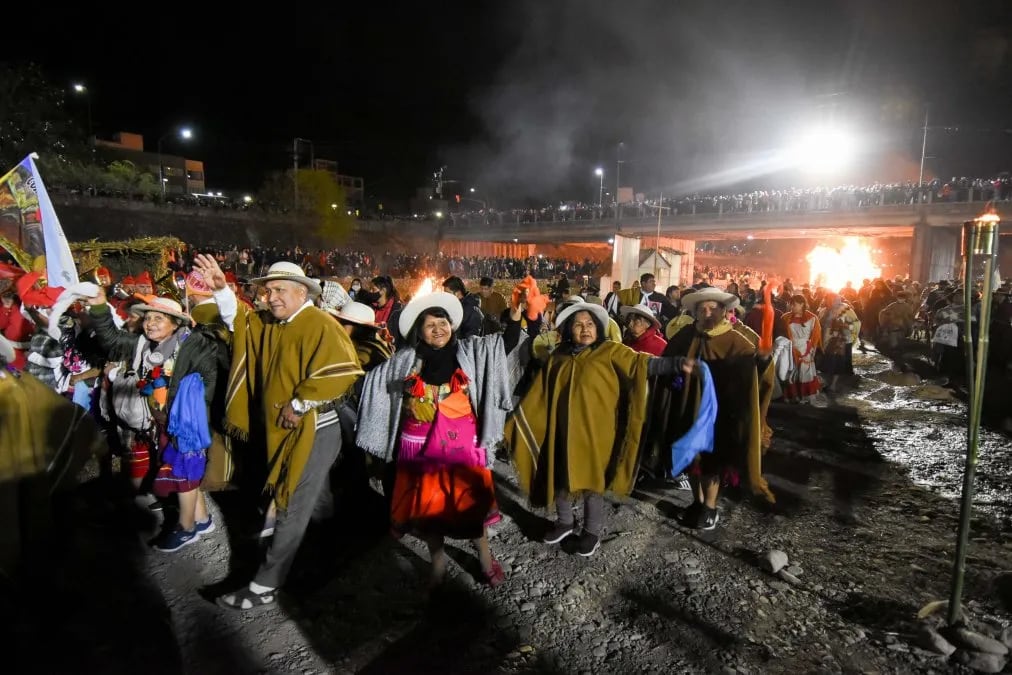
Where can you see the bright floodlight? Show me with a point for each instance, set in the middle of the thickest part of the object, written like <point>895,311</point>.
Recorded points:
<point>472,190</point>
<point>439,214</point>
<point>598,171</point>
<point>185,132</point>
<point>79,88</point>
<point>247,199</point>
<point>823,149</point>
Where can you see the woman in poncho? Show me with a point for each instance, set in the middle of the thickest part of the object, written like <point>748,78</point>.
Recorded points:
<point>175,370</point>
<point>840,329</point>
<point>577,429</point>
<point>437,410</point>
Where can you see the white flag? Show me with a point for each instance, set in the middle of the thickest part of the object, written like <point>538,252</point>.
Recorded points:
<point>25,202</point>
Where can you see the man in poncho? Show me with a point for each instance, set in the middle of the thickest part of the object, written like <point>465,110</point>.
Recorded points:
<point>289,367</point>
<point>743,381</point>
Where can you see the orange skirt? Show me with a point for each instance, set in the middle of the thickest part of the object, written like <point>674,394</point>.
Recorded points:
<point>451,501</point>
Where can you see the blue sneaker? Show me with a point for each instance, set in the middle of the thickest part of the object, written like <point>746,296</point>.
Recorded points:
<point>172,541</point>
<point>206,527</point>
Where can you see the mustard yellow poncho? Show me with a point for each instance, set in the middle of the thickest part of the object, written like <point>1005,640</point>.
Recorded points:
<point>309,358</point>
<point>595,402</point>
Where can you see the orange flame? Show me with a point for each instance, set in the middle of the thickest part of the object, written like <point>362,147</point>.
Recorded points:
<point>427,286</point>
<point>832,268</point>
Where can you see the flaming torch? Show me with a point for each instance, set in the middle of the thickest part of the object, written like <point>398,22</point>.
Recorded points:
<point>980,245</point>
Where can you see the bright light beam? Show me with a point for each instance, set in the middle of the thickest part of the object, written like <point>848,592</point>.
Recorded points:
<point>823,150</point>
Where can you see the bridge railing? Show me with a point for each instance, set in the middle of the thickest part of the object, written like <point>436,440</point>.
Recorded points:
<point>738,206</point>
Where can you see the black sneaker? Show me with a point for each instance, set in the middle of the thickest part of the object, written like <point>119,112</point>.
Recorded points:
<point>558,532</point>
<point>681,482</point>
<point>709,519</point>
<point>586,544</point>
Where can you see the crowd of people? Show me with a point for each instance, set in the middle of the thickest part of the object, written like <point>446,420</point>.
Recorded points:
<point>585,395</point>
<point>835,198</point>
<point>840,197</point>
<point>249,262</point>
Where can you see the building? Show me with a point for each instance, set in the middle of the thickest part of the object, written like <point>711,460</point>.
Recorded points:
<point>181,175</point>
<point>354,186</point>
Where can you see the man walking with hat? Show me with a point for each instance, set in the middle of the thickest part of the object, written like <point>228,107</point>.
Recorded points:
<point>743,384</point>
<point>289,365</point>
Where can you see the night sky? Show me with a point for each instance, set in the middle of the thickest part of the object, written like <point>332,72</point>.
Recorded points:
<point>524,98</point>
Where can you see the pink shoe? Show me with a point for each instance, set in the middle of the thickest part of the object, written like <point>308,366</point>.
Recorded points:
<point>495,575</point>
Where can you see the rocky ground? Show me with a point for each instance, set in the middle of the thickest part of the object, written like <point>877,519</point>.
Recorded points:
<point>864,530</point>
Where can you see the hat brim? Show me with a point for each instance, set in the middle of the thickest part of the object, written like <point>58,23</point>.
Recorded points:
<point>597,311</point>
<point>639,310</point>
<point>7,350</point>
<point>144,309</point>
<point>441,299</point>
<point>336,313</point>
<point>312,284</point>
<point>690,301</point>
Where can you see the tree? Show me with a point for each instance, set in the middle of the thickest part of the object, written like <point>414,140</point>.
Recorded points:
<point>124,176</point>
<point>319,195</point>
<point>34,118</point>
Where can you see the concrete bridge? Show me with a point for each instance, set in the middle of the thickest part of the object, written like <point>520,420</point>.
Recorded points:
<point>934,229</point>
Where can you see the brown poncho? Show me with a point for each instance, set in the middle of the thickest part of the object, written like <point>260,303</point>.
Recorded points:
<point>744,386</point>
<point>595,403</point>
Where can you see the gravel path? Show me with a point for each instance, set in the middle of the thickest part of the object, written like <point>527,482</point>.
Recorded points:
<point>865,515</point>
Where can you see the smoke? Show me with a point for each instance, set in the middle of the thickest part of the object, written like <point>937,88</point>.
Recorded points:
<point>699,94</point>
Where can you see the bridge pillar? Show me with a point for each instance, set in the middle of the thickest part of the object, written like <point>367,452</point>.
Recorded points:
<point>935,253</point>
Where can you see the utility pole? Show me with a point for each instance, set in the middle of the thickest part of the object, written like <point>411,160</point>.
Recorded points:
<point>924,145</point>
<point>295,172</point>
<point>618,168</point>
<point>295,156</point>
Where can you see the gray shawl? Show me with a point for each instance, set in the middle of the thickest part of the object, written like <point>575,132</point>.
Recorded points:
<point>493,377</point>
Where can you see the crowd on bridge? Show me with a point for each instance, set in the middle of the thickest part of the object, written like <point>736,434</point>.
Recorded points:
<point>775,200</point>
<point>583,395</point>
<point>748,201</point>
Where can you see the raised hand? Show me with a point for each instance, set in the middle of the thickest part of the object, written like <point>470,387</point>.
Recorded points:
<point>208,268</point>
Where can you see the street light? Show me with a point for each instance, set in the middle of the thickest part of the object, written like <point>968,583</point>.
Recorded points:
<point>599,172</point>
<point>83,91</point>
<point>247,198</point>
<point>471,190</point>
<point>184,133</point>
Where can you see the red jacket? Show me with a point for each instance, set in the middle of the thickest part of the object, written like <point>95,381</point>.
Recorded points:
<point>651,342</point>
<point>17,329</point>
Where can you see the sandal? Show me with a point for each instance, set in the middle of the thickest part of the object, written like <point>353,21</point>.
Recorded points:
<point>245,599</point>
<point>494,575</point>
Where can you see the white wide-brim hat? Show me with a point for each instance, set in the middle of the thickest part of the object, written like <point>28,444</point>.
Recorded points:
<point>355,312</point>
<point>7,350</point>
<point>441,299</point>
<point>164,306</point>
<point>597,311</point>
<point>639,310</point>
<point>728,300</point>
<point>289,271</point>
